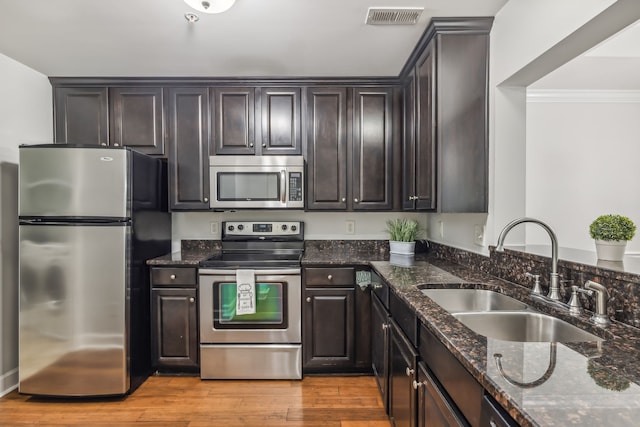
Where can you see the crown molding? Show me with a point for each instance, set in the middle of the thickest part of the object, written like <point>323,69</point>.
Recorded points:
<point>580,96</point>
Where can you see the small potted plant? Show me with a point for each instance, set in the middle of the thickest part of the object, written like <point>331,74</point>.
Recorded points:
<point>402,235</point>
<point>611,233</point>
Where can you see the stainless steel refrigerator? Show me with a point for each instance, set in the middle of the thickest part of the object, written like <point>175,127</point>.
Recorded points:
<point>90,217</point>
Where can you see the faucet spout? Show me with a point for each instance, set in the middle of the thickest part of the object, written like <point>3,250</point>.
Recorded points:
<point>554,281</point>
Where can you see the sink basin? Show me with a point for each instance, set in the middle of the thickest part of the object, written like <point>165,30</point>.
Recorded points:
<point>523,326</point>
<point>456,300</point>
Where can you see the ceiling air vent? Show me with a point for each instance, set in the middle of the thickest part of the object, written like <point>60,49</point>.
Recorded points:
<point>393,15</point>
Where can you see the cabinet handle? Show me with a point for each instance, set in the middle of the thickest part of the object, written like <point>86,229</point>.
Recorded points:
<point>493,423</point>
<point>376,286</point>
<point>206,199</point>
<point>330,277</point>
<point>192,300</point>
<point>385,326</point>
<point>417,385</point>
<point>308,299</point>
<point>409,371</point>
<point>172,277</point>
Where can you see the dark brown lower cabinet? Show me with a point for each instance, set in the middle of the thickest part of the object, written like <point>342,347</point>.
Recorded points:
<point>174,320</point>
<point>435,408</point>
<point>380,324</point>
<point>336,322</point>
<point>402,396</point>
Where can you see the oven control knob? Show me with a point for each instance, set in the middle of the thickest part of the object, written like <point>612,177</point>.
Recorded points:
<point>240,227</point>
<point>231,228</point>
<point>294,228</point>
<point>284,227</point>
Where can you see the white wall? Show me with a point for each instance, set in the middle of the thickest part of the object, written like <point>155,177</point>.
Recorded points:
<point>25,117</point>
<point>318,225</point>
<point>582,161</point>
<point>528,40</point>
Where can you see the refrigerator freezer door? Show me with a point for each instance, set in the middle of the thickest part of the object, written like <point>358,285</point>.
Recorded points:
<point>58,181</point>
<point>73,310</point>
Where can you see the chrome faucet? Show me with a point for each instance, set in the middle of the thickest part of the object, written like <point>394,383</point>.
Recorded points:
<point>554,277</point>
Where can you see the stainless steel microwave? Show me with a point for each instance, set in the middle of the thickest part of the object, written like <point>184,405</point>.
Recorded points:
<point>256,182</point>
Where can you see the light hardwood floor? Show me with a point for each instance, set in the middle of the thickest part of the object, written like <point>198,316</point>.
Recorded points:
<point>351,401</point>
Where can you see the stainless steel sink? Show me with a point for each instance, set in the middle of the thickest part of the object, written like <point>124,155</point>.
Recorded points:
<point>523,326</point>
<point>457,300</point>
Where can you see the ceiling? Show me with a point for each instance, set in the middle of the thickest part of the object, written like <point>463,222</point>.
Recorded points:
<point>255,38</point>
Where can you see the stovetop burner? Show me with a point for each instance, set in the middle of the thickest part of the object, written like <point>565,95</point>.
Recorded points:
<point>259,245</point>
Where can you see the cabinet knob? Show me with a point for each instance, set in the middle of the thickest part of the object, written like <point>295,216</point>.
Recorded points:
<point>192,300</point>
<point>264,145</point>
<point>385,326</point>
<point>417,385</point>
<point>330,277</point>
<point>409,371</point>
<point>116,145</point>
<point>413,197</point>
<point>251,144</point>
<point>104,144</point>
<point>344,199</point>
<point>308,299</point>
<point>376,286</point>
<point>172,277</point>
<point>206,199</point>
<point>355,200</point>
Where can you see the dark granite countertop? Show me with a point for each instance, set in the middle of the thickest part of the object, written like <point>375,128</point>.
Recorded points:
<point>593,384</point>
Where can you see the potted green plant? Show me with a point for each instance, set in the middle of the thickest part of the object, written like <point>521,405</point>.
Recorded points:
<point>403,233</point>
<point>611,233</point>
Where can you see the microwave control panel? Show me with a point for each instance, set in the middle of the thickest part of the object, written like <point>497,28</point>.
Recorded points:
<point>295,186</point>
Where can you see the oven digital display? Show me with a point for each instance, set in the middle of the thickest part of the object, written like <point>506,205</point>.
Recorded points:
<point>262,228</point>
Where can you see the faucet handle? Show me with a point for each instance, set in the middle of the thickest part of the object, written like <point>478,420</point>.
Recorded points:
<point>575,305</point>
<point>537,289</point>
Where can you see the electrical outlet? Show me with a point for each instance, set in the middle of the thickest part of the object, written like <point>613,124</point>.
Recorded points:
<point>350,226</point>
<point>441,229</point>
<point>478,234</point>
<point>213,227</point>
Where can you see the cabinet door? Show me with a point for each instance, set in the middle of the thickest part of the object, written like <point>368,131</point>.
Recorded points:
<point>425,131</point>
<point>81,115</point>
<point>189,148</point>
<point>362,329</point>
<point>380,348</point>
<point>372,149</point>
<point>175,330</point>
<point>281,121</point>
<point>137,118</point>
<point>233,120</point>
<point>326,118</point>
<point>328,325</point>
<point>435,408</point>
<point>402,396</point>
<point>409,144</point>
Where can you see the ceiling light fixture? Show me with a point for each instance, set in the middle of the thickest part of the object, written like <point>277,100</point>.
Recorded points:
<point>210,6</point>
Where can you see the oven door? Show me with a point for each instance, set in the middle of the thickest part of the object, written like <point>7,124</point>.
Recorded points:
<point>278,308</point>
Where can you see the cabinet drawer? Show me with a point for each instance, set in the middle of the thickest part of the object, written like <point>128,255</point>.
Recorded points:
<point>173,276</point>
<point>329,276</point>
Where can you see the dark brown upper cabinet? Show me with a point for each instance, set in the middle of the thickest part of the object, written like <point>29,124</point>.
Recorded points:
<point>349,148</point>
<point>81,115</point>
<point>445,150</point>
<point>188,138</point>
<point>326,118</point>
<point>281,127</point>
<point>233,110</point>
<point>137,118</point>
<point>419,133</point>
<point>372,164</point>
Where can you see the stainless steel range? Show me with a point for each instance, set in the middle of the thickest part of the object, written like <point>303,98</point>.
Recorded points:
<point>250,303</point>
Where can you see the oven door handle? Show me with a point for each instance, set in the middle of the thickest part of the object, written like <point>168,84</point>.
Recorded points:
<point>230,272</point>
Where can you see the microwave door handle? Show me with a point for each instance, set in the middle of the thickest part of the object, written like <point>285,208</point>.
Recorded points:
<point>283,190</point>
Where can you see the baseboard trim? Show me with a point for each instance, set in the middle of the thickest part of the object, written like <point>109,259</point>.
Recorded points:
<point>8,382</point>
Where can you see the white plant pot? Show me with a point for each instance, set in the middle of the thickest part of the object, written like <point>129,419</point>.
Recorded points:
<point>610,250</point>
<point>402,248</point>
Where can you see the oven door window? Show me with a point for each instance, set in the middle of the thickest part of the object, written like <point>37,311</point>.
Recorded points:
<point>271,307</point>
<point>246,186</point>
